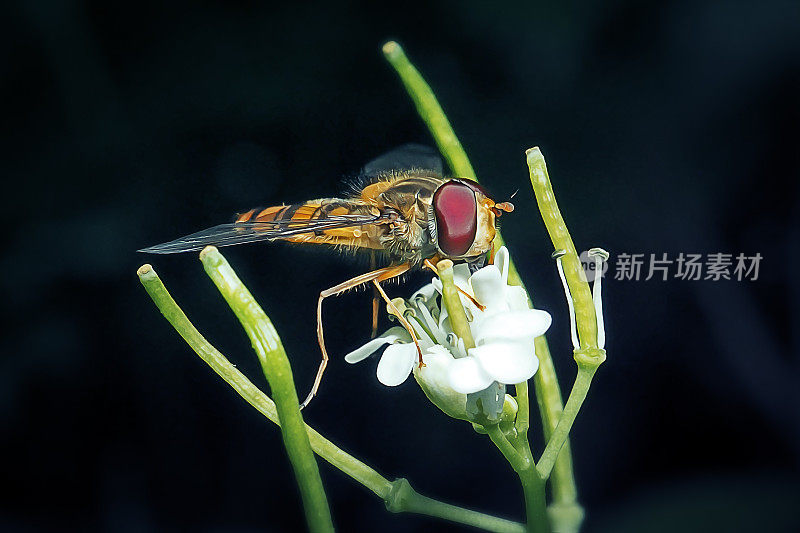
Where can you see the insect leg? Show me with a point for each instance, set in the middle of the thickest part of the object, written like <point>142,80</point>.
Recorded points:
<point>401,318</point>
<point>382,274</point>
<point>376,299</point>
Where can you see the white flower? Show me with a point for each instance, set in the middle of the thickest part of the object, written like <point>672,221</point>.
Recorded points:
<point>503,331</point>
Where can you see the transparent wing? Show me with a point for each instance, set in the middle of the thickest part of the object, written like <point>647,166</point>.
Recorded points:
<point>406,157</point>
<point>246,232</point>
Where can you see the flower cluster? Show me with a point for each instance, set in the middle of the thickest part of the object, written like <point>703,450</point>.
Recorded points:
<point>503,327</point>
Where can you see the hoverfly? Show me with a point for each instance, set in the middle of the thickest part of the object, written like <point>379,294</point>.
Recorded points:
<point>404,210</point>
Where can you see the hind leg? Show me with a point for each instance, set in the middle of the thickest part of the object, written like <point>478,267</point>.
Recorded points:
<point>381,274</point>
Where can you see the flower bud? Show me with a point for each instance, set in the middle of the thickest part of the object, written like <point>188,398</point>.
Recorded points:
<point>485,407</point>
<point>509,416</point>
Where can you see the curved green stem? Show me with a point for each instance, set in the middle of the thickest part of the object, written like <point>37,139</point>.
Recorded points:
<point>435,119</point>
<point>588,356</point>
<point>579,390</point>
<point>430,111</point>
<point>533,485</point>
<point>247,390</point>
<point>517,461</point>
<point>276,367</point>
<point>356,469</point>
<point>548,394</point>
<point>548,398</point>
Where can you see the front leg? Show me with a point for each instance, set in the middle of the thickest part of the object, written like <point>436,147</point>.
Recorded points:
<point>396,312</point>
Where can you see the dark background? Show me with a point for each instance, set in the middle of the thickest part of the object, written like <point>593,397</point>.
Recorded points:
<point>668,127</point>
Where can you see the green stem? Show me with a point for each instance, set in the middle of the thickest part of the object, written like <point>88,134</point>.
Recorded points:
<point>356,469</point>
<point>452,302</point>
<point>557,228</point>
<point>278,371</point>
<point>579,390</point>
<point>405,499</point>
<point>533,488</point>
<point>517,461</point>
<point>555,458</point>
<point>435,119</point>
<point>548,394</point>
<point>247,390</point>
<point>430,111</point>
<point>522,423</point>
<point>548,398</point>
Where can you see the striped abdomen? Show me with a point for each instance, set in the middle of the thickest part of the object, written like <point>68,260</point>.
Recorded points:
<point>296,216</point>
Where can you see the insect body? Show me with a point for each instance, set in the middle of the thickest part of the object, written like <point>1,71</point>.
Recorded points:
<point>411,216</point>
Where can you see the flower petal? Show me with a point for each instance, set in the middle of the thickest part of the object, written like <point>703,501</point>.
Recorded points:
<point>460,349</point>
<point>517,298</point>
<point>444,321</point>
<point>501,259</point>
<point>466,375</point>
<point>488,288</point>
<point>396,364</point>
<point>437,364</point>
<point>510,326</point>
<point>434,380</point>
<point>437,284</point>
<point>506,362</point>
<point>461,276</point>
<point>392,335</point>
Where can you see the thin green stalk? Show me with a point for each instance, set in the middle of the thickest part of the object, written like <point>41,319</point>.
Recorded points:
<point>522,422</point>
<point>412,501</point>
<point>247,390</point>
<point>406,499</point>
<point>548,394</point>
<point>519,457</point>
<point>548,398</point>
<point>517,461</point>
<point>442,132</point>
<point>579,390</point>
<point>557,228</point>
<point>588,356</point>
<point>452,302</point>
<point>533,486</point>
<point>430,111</point>
<point>278,371</point>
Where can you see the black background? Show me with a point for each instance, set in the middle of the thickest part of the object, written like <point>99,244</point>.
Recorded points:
<point>668,127</point>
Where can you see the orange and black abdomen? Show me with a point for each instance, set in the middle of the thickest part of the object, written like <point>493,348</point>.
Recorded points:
<point>297,215</point>
<point>262,214</point>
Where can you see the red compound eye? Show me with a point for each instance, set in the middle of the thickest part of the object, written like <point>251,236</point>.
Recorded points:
<point>455,209</point>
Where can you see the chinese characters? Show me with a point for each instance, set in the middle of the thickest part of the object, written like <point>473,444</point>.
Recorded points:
<point>687,266</point>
